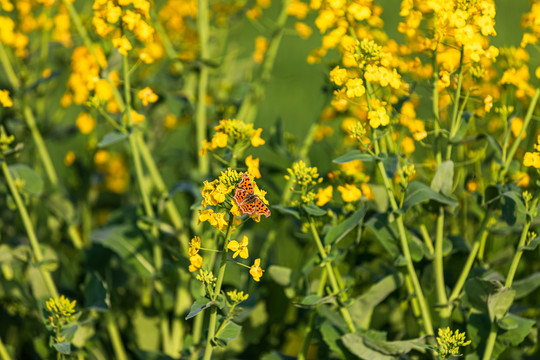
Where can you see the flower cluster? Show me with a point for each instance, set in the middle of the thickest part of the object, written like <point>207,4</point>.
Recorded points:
<point>533,158</point>
<point>113,167</point>
<point>5,99</point>
<point>196,260</point>
<point>450,342</point>
<point>233,132</point>
<point>217,200</point>
<point>178,18</point>
<point>119,18</point>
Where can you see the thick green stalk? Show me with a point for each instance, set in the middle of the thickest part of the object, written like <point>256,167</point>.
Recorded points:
<point>439,269</point>
<point>116,340</point>
<point>302,355</point>
<point>203,28</point>
<point>248,110</point>
<point>217,290</point>
<point>10,73</point>
<point>336,288</point>
<point>424,309</point>
<point>4,355</point>
<point>34,243</point>
<point>517,141</point>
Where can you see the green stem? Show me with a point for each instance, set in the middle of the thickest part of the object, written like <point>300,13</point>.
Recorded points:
<point>427,239</point>
<point>439,268</point>
<point>4,355</point>
<point>203,28</point>
<point>197,331</point>
<point>455,111</point>
<point>517,141</point>
<point>490,342</point>
<point>34,243</point>
<point>336,288</point>
<point>248,110</point>
<point>302,355</point>
<point>424,309</point>
<point>522,240</point>
<point>482,233</point>
<point>12,77</point>
<point>221,274</point>
<point>116,340</point>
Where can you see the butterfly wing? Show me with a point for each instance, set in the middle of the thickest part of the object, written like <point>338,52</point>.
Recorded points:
<point>246,184</point>
<point>240,196</point>
<point>247,208</point>
<point>261,208</point>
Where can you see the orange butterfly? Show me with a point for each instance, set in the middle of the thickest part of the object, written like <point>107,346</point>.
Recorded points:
<point>247,201</point>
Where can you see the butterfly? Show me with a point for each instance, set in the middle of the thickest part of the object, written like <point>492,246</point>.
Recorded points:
<point>247,201</point>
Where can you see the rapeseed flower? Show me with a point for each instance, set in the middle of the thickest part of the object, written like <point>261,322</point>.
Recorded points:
<point>239,248</point>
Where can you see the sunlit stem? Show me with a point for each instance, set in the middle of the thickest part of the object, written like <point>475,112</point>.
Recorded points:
<point>336,288</point>
<point>439,269</point>
<point>249,108</point>
<point>517,141</point>
<point>4,355</point>
<point>302,355</point>
<point>221,274</point>
<point>116,340</point>
<point>34,243</point>
<point>203,28</point>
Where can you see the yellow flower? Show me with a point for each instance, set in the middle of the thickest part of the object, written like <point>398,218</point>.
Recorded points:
<point>488,103</point>
<point>61,307</point>
<point>303,30</point>
<point>239,248</point>
<point>256,139</point>
<point>5,100</point>
<point>367,192</point>
<point>339,76</point>
<point>136,117</point>
<point>170,121</point>
<point>532,159</point>
<point>516,124</point>
<point>523,179</point>
<point>472,185</point>
<point>256,270</point>
<point>194,246</point>
<point>350,192</point>
<point>378,117</point>
<point>122,44</point>
<point>324,195</point>
<point>261,45</point>
<point>205,215</point>
<point>407,145</point>
<point>219,140</point>
<point>253,166</point>
<point>69,159</point>
<point>101,157</point>
<point>196,262</point>
<point>147,96</point>
<point>237,296</point>
<point>85,123</point>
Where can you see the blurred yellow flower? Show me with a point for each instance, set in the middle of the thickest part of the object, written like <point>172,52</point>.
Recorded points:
<point>5,99</point>
<point>324,195</point>
<point>122,44</point>
<point>253,166</point>
<point>85,123</point>
<point>194,246</point>
<point>256,270</point>
<point>69,159</point>
<point>196,262</point>
<point>147,96</point>
<point>350,192</point>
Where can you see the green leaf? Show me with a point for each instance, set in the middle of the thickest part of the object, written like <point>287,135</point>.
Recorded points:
<point>385,232</point>
<point>336,233</point>
<point>371,348</point>
<point>32,182</point>
<point>287,210</point>
<point>332,337</point>
<point>60,207</point>
<point>499,302</point>
<point>128,243</point>
<point>63,347</point>
<point>280,274</point>
<point>229,332</point>
<point>355,155</point>
<point>514,337</point>
<point>507,323</point>
<point>478,292</point>
<point>443,180</point>
<point>362,307</point>
<point>463,125</point>
<point>96,295</point>
<point>418,192</point>
<point>112,138</point>
<point>526,286</point>
<point>531,246</point>
<point>314,300</point>
<point>314,210</point>
<point>199,305</point>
